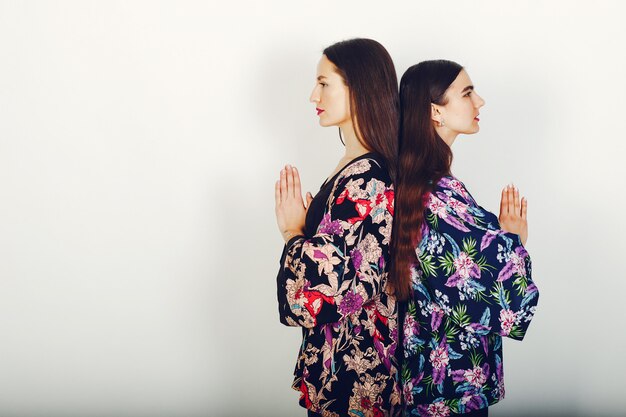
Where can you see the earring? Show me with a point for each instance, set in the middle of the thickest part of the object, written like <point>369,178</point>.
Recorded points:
<point>442,123</point>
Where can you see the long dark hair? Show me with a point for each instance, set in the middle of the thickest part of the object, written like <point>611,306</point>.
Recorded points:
<point>423,159</point>
<point>369,73</point>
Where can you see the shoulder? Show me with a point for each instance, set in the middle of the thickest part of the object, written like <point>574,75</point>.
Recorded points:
<point>366,185</point>
<point>450,188</point>
<point>451,201</point>
<point>366,168</point>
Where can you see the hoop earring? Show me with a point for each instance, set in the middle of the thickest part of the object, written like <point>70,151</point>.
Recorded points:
<point>341,138</point>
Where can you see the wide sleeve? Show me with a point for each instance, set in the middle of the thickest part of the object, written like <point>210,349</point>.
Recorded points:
<point>334,273</point>
<point>476,273</point>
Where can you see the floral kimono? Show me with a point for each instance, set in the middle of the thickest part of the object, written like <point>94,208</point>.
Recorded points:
<point>472,286</point>
<point>332,284</point>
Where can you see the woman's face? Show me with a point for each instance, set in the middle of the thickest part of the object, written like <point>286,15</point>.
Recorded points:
<point>460,113</point>
<point>331,96</point>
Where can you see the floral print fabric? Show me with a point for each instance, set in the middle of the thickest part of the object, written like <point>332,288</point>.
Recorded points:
<point>472,286</point>
<point>332,284</point>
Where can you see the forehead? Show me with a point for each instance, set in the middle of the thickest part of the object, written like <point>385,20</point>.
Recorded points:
<point>460,82</point>
<point>326,68</point>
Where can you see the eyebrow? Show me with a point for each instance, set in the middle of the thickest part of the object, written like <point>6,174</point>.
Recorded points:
<point>320,77</point>
<point>469,87</point>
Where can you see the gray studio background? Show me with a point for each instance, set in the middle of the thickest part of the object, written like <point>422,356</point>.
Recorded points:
<point>139,143</point>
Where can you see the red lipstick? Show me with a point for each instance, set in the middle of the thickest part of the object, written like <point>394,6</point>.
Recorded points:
<point>319,111</point>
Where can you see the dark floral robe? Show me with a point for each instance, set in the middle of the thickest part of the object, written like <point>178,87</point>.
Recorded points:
<point>471,287</point>
<point>332,284</point>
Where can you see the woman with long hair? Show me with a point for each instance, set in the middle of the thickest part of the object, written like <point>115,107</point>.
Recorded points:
<point>462,274</point>
<point>333,270</point>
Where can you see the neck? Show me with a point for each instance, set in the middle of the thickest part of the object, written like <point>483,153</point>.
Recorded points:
<point>354,147</point>
<point>448,136</point>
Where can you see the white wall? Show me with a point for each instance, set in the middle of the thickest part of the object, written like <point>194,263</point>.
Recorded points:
<point>139,142</point>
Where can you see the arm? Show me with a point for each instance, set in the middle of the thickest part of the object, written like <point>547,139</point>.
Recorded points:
<point>475,272</point>
<point>332,274</point>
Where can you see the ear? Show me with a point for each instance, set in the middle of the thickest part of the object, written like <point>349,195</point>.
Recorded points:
<point>435,114</point>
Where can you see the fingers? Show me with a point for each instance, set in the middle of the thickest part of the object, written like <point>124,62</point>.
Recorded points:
<point>297,192</point>
<point>290,186</point>
<point>289,172</point>
<point>504,204</point>
<point>516,202</point>
<point>283,185</point>
<point>524,208</point>
<point>277,193</point>
<point>510,191</point>
<point>309,198</point>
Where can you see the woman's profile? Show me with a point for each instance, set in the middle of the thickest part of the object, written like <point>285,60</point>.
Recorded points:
<point>462,274</point>
<point>333,270</point>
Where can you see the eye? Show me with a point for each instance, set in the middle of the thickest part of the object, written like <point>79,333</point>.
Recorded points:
<point>467,94</point>
<point>323,84</point>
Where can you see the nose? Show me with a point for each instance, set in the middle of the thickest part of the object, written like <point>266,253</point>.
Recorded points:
<point>478,101</point>
<point>315,95</point>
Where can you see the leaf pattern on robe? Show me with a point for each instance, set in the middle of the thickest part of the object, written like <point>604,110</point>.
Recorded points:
<point>472,286</point>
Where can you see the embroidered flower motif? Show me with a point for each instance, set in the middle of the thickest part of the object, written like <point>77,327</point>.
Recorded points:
<point>356,257</point>
<point>359,167</point>
<point>475,376</point>
<point>439,357</point>
<point>351,303</point>
<point>435,243</point>
<point>514,264</point>
<point>438,409</point>
<point>518,264</point>
<point>370,249</point>
<point>324,256</point>
<point>366,394</point>
<point>330,227</point>
<point>411,327</point>
<point>354,190</point>
<point>507,321</point>
<point>457,206</point>
<point>464,265</point>
<point>465,268</point>
<point>437,206</point>
<point>360,362</point>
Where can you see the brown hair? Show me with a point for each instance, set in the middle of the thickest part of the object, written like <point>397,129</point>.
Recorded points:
<point>369,73</point>
<point>424,158</point>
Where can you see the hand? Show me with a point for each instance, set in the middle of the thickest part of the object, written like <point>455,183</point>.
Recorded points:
<point>290,208</point>
<point>513,213</point>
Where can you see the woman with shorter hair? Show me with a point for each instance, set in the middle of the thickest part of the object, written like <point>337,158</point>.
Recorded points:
<point>333,270</point>
<point>462,274</point>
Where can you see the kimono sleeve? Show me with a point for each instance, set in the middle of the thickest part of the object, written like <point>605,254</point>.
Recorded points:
<point>476,273</point>
<point>334,273</point>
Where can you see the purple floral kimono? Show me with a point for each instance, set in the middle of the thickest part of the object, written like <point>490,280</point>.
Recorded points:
<point>471,287</point>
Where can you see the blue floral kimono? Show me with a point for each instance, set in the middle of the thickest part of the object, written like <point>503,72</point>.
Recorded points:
<point>471,287</point>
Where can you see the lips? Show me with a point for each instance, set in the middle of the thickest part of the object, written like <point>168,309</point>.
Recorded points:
<point>319,111</point>
<point>477,119</point>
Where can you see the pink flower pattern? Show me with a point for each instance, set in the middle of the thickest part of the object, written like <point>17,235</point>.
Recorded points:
<point>474,289</point>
